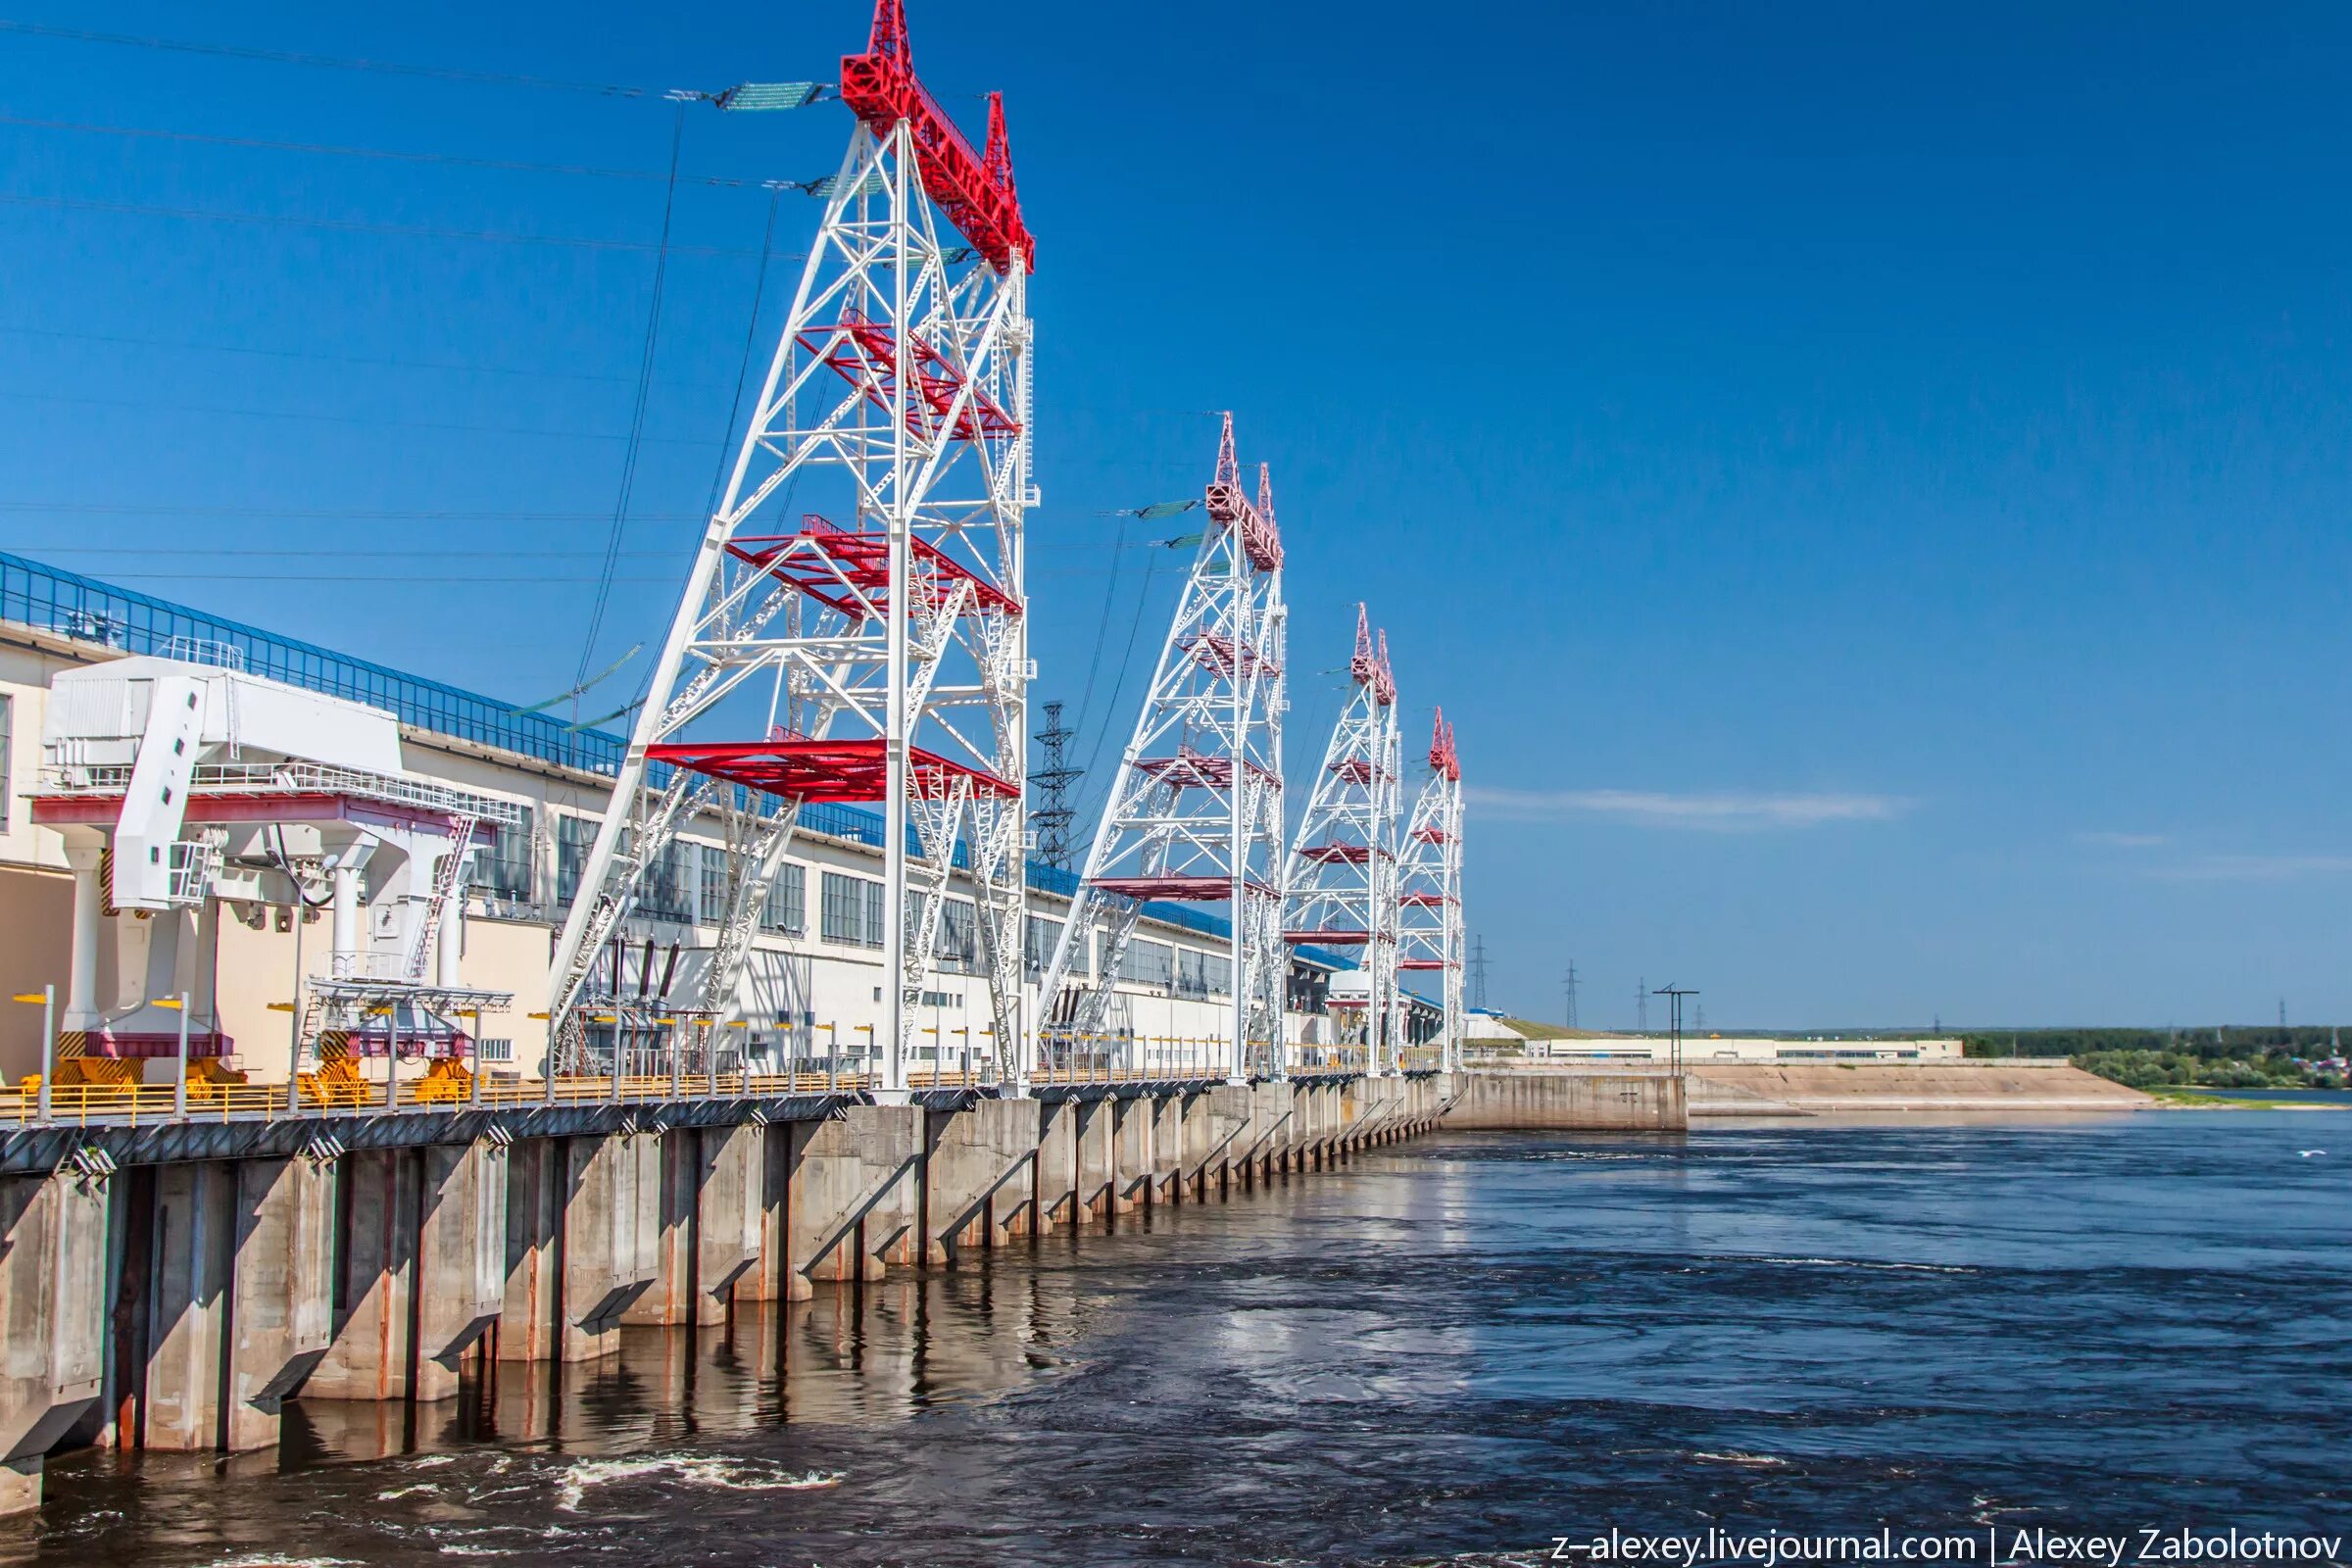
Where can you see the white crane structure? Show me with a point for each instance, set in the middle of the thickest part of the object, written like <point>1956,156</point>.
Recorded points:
<point>881,659</point>
<point>1195,812</point>
<point>1341,882</point>
<point>1429,885</point>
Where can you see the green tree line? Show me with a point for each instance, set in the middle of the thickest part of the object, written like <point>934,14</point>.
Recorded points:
<point>2259,1056</point>
<point>2234,1041</point>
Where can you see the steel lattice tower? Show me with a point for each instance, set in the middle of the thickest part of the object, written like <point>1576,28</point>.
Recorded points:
<point>1195,812</point>
<point>882,659</point>
<point>1052,814</point>
<point>1342,865</point>
<point>1429,882</point>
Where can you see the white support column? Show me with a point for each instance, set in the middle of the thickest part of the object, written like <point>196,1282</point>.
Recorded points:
<point>89,906</point>
<point>450,938</point>
<point>346,926</point>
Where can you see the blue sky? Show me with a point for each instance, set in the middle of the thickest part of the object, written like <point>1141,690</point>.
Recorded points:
<point>1869,485</point>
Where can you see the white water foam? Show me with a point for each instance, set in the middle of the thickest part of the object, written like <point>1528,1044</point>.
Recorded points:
<point>700,1470</point>
<point>1851,1262</point>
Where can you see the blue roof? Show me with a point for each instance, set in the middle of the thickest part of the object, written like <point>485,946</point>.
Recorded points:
<point>53,599</point>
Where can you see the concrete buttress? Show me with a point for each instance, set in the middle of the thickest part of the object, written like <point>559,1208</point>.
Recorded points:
<point>53,1247</point>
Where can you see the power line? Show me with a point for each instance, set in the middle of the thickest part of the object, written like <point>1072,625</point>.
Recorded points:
<point>1569,984</point>
<point>1126,667</point>
<point>288,57</point>
<point>310,416</point>
<point>384,154</point>
<point>1642,1005</point>
<point>1477,972</point>
<point>345,226</point>
<point>457,365</point>
<point>174,508</point>
<point>645,385</point>
<point>1093,665</point>
<point>342,555</point>
<point>448,579</point>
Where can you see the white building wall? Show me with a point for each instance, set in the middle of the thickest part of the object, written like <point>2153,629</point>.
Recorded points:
<point>508,935</point>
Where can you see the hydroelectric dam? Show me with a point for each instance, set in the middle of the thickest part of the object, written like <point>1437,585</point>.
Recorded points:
<point>168,1281</point>
<point>362,1024</point>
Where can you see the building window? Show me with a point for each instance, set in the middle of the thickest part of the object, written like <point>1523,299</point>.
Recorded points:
<point>1037,944</point>
<point>786,909</point>
<point>850,911</point>
<point>573,837</point>
<point>496,1050</point>
<point>1203,974</point>
<point>1151,963</point>
<point>669,890</point>
<point>958,946</point>
<point>711,900</point>
<point>502,867</point>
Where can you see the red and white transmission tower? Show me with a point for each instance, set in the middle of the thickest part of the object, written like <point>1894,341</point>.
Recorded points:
<point>882,659</point>
<point>1429,884</point>
<point>1195,811</point>
<point>1342,866</point>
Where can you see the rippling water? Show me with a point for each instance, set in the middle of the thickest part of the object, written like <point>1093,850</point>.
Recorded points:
<point>1461,1348</point>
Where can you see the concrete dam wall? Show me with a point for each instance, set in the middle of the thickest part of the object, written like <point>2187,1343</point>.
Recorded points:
<point>1538,1101</point>
<point>170,1287</point>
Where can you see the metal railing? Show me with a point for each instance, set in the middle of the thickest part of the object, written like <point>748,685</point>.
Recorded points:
<point>290,778</point>
<point>1103,1060</point>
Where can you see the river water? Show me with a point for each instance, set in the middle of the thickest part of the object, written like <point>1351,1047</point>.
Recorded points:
<point>1459,1348</point>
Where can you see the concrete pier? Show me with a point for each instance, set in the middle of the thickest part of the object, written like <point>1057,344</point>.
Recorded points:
<point>421,1276</point>
<point>1520,1102</point>
<point>979,1176</point>
<point>170,1286</point>
<point>855,1191</point>
<point>238,1264</point>
<point>53,1245</point>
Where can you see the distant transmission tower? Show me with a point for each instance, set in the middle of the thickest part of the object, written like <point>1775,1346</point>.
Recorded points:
<point>1052,815</point>
<point>1569,986</point>
<point>1642,1005</point>
<point>1478,973</point>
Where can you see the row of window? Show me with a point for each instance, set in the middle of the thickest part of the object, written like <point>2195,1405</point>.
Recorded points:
<point>690,884</point>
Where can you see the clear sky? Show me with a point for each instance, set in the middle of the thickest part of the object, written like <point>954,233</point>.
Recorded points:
<point>1868,484</point>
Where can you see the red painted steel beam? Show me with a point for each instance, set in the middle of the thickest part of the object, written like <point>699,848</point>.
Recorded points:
<point>849,773</point>
<point>975,191</point>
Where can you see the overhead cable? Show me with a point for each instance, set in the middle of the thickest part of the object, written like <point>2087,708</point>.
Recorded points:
<point>354,227</point>
<point>289,57</point>
<point>645,381</point>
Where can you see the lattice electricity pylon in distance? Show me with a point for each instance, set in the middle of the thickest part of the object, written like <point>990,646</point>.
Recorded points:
<point>1195,812</point>
<point>881,659</point>
<point>1429,885</point>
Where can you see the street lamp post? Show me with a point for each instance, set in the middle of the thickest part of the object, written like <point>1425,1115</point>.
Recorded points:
<point>1674,996</point>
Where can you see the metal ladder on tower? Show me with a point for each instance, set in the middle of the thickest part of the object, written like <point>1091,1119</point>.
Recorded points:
<point>446,885</point>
